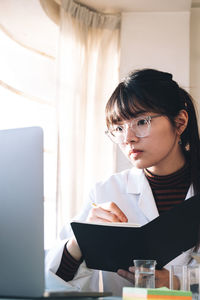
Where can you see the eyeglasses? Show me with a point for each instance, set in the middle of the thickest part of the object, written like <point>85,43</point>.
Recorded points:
<point>140,126</point>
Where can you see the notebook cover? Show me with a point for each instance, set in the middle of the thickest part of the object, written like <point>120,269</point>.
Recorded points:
<point>111,248</point>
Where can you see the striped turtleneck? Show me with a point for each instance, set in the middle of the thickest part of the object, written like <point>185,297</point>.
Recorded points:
<point>169,190</point>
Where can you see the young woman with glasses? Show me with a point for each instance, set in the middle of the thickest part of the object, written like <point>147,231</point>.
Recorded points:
<point>153,121</point>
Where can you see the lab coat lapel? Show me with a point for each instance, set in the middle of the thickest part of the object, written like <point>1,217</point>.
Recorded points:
<point>138,184</point>
<point>147,202</point>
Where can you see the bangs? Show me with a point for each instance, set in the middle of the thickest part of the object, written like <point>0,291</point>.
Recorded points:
<point>124,105</point>
<point>119,111</point>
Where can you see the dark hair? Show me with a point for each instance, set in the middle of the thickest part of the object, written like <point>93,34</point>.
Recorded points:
<point>156,91</point>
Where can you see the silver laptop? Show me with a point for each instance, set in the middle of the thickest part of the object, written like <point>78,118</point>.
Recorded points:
<point>22,216</point>
<point>21,212</point>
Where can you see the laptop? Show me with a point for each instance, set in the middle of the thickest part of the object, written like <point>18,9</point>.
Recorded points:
<point>22,216</point>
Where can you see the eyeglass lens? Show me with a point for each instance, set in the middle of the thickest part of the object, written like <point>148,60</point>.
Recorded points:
<point>140,127</point>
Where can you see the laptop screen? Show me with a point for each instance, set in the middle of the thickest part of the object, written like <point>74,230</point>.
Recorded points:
<point>21,212</point>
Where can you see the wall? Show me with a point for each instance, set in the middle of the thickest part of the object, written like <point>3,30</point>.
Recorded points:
<point>155,40</point>
<point>195,56</point>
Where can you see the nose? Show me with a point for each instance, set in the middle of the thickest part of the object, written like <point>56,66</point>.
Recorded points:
<point>129,136</point>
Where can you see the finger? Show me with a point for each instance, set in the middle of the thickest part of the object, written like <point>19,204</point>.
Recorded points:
<point>99,215</point>
<point>115,210</point>
<point>110,216</point>
<point>162,278</point>
<point>93,217</point>
<point>106,212</point>
<point>131,269</point>
<point>127,275</point>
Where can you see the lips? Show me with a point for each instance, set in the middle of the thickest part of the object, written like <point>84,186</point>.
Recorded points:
<point>134,153</point>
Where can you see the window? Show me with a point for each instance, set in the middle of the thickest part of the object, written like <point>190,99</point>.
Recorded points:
<point>27,98</point>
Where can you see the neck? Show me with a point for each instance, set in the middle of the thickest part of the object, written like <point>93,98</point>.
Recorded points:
<point>170,167</point>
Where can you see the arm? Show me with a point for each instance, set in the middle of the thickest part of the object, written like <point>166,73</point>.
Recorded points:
<point>69,265</point>
<point>72,256</point>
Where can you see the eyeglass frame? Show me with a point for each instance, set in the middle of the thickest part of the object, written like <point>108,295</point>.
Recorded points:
<point>147,118</point>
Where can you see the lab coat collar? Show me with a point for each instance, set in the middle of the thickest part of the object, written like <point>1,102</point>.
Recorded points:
<point>139,185</point>
<point>135,181</point>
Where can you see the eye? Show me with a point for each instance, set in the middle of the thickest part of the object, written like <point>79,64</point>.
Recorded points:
<point>119,128</point>
<point>142,122</point>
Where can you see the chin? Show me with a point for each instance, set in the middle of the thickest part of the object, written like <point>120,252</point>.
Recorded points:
<point>139,164</point>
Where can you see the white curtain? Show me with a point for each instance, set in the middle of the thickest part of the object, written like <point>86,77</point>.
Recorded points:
<point>28,86</point>
<point>87,74</point>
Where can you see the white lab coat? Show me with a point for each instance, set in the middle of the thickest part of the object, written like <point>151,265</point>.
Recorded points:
<point>131,191</point>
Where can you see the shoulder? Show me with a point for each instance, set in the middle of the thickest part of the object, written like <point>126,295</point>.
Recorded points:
<point>119,186</point>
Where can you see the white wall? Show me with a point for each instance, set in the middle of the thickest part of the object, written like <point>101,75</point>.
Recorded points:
<point>195,56</point>
<point>158,40</point>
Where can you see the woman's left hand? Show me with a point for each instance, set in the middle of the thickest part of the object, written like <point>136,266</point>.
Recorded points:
<point>161,276</point>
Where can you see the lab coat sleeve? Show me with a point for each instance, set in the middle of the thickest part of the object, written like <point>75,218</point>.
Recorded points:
<point>85,279</point>
<point>82,281</point>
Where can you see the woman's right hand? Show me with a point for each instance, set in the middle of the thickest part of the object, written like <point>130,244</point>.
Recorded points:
<point>106,212</point>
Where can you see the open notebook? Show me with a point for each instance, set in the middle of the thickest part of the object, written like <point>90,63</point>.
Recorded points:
<point>111,246</point>
<point>22,217</point>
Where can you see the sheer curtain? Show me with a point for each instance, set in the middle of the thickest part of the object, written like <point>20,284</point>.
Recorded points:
<point>87,74</point>
<point>28,86</point>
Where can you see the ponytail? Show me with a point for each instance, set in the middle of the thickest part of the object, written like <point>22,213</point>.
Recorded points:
<point>190,140</point>
<point>191,146</point>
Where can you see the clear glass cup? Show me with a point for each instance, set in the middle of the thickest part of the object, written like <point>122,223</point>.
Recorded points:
<point>186,278</point>
<point>145,273</point>
<point>193,281</point>
<point>178,277</point>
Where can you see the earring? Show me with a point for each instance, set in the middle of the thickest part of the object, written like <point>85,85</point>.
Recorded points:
<point>180,142</point>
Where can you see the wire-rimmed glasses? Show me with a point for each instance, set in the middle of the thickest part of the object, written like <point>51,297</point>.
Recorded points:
<point>140,126</point>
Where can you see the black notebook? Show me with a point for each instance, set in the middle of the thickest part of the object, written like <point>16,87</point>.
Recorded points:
<point>109,248</point>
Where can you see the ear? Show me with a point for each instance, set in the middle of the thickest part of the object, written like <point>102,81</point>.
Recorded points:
<point>181,121</point>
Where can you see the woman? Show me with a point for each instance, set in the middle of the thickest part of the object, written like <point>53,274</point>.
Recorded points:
<point>153,121</point>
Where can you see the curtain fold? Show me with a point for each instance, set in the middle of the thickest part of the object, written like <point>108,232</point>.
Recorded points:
<point>88,65</point>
